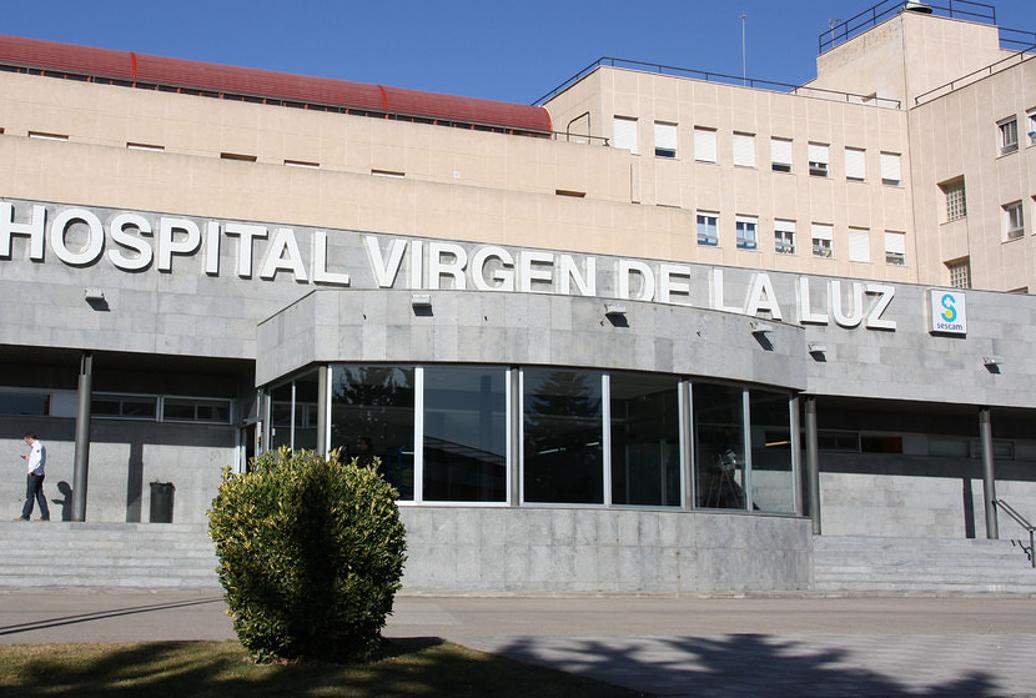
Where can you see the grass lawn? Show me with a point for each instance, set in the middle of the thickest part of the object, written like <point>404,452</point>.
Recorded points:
<point>414,667</point>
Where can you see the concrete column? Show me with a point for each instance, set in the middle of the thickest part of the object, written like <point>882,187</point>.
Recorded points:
<point>813,463</point>
<point>323,405</point>
<point>796,455</point>
<point>985,432</point>
<point>81,459</point>
<point>687,443</point>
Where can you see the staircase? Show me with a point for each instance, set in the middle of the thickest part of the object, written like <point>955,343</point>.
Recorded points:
<point>106,555</point>
<point>855,564</point>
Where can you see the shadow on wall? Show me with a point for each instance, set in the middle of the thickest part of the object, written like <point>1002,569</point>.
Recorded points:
<point>66,504</point>
<point>760,666</point>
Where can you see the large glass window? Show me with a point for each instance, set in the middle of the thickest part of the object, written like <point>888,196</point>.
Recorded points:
<point>465,434</point>
<point>372,416</point>
<point>562,439</point>
<point>306,398</point>
<point>280,416</point>
<point>645,439</point>
<point>719,446</point>
<point>773,486</point>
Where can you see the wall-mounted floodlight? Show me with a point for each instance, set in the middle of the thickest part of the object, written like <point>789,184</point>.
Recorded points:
<point>421,301</point>
<point>760,327</point>
<point>818,351</point>
<point>93,295</point>
<point>993,363</point>
<point>615,310</point>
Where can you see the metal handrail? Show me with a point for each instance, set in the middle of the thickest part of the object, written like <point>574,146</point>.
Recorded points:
<point>1028,53</point>
<point>1024,523</point>
<point>874,15</point>
<point>726,78</point>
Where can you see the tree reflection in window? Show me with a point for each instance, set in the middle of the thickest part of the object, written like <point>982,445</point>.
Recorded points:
<point>562,442</point>
<point>372,416</point>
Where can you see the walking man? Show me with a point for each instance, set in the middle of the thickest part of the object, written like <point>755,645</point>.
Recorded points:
<point>35,461</point>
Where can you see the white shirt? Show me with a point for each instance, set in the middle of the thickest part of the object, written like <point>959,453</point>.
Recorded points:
<point>37,458</point>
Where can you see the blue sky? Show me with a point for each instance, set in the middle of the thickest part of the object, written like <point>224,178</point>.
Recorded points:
<point>509,51</point>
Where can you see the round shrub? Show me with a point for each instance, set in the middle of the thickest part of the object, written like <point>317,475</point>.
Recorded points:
<point>310,552</point>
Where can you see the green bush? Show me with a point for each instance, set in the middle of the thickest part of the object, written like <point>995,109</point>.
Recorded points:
<point>310,552</point>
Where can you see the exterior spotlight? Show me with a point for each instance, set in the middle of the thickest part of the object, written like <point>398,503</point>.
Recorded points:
<point>992,362</point>
<point>93,295</point>
<point>818,351</point>
<point>759,327</point>
<point>421,301</point>
<point>615,310</point>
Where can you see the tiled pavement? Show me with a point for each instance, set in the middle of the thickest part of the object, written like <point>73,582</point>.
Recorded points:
<point>793,646</point>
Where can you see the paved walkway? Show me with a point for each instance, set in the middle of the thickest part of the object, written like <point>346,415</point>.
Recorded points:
<point>759,647</point>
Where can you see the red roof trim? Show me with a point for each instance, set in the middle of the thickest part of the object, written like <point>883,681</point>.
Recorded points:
<point>212,77</point>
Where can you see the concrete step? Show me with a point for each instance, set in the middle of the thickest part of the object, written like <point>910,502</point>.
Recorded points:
<point>900,565</point>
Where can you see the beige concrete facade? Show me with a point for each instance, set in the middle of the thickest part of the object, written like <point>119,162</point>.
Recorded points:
<point>321,169</point>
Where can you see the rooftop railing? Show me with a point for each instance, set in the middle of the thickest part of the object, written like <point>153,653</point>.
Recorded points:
<point>1026,54</point>
<point>876,14</point>
<point>722,78</point>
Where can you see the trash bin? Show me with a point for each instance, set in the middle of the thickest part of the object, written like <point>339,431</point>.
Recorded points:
<point>162,502</point>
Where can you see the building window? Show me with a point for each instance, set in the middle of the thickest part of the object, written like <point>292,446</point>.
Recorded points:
<point>26,403</point>
<point>891,169</point>
<point>704,144</point>
<point>1014,220</point>
<point>823,235</point>
<point>773,474</point>
<point>391,174</point>
<point>744,150</point>
<point>956,202</point>
<point>195,410</point>
<point>124,406</point>
<point>238,156</point>
<point>570,193</point>
<point>40,136</point>
<point>624,134</point>
<point>305,164</point>
<point>819,158</point>
<point>562,436</point>
<point>895,248</point>
<point>784,237</point>
<point>1008,135</point>
<point>145,146</point>
<point>780,154</point>
<point>465,434</point>
<point>746,232</point>
<point>960,273</point>
<point>719,442</point>
<point>859,245</point>
<point>1031,118</point>
<point>855,164</point>
<point>708,228</point>
<point>645,439</point>
<point>372,416</point>
<point>665,140</point>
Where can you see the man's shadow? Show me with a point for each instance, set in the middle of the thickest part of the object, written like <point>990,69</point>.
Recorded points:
<point>66,503</point>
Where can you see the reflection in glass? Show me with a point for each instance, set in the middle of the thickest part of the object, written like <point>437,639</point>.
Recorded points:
<point>465,434</point>
<point>719,446</point>
<point>306,397</point>
<point>773,486</point>
<point>562,441</point>
<point>280,416</point>
<point>372,416</point>
<point>645,439</point>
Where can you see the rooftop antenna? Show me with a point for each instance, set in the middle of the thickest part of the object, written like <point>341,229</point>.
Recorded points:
<point>744,54</point>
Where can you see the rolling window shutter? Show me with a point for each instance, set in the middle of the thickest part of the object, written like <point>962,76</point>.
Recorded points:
<point>784,226</point>
<point>895,242</point>
<point>859,246</point>
<point>624,134</point>
<point>890,167</point>
<point>822,232</point>
<point>704,145</point>
<point>780,151</point>
<point>818,153</point>
<point>665,136</point>
<point>744,149</point>
<point>855,164</point>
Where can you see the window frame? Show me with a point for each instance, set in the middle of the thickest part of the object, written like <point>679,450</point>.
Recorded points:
<point>714,215</point>
<point>741,224</point>
<point>1013,229</point>
<point>777,165</point>
<point>823,251</point>
<point>893,258</point>
<point>667,153</point>
<point>782,246</point>
<point>820,168</point>
<point>1006,127</point>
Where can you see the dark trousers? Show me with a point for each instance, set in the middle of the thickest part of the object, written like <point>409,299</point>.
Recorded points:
<point>34,490</point>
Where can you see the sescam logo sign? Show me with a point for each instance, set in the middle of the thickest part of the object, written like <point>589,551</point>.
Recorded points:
<point>949,312</point>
